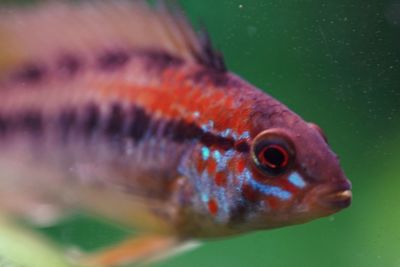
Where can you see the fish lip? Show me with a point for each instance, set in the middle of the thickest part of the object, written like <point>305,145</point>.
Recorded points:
<point>338,200</point>
<point>336,196</point>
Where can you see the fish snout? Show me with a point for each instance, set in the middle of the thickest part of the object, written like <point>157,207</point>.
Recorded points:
<point>337,196</point>
<point>330,197</point>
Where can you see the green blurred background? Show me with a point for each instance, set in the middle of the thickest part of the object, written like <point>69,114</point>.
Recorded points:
<point>336,63</point>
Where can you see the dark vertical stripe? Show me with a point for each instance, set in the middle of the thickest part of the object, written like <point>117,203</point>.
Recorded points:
<point>67,121</point>
<point>91,120</point>
<point>4,125</point>
<point>168,129</point>
<point>154,126</point>
<point>139,124</point>
<point>31,122</point>
<point>115,122</point>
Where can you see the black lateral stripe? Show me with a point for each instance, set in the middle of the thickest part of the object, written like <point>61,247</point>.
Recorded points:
<point>69,64</point>
<point>113,59</point>
<point>185,131</point>
<point>242,146</point>
<point>30,73</point>
<point>210,139</point>
<point>219,79</point>
<point>135,123</point>
<point>120,124</point>
<point>155,60</point>
<point>28,121</point>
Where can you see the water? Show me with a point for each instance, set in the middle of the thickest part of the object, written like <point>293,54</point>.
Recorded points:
<point>336,63</point>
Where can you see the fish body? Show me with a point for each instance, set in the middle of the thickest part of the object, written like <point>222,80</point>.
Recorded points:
<point>145,125</point>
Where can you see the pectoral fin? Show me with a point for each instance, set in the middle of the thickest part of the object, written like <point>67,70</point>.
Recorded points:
<point>139,250</point>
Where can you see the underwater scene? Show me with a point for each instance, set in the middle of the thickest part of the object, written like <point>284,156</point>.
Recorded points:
<point>334,63</point>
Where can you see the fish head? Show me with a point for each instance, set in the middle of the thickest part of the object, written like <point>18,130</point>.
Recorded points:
<point>291,175</point>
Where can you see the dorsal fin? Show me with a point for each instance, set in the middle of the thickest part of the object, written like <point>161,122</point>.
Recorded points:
<point>58,26</point>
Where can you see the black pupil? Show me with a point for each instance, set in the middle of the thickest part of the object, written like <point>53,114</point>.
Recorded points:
<point>274,157</point>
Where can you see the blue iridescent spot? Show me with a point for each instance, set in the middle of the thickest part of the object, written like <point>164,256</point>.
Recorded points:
<point>226,133</point>
<point>217,155</point>
<point>244,135</point>
<point>223,212</point>
<point>271,190</point>
<point>208,127</point>
<point>204,197</point>
<point>297,180</point>
<point>222,159</point>
<point>268,190</point>
<point>205,153</point>
<point>234,135</point>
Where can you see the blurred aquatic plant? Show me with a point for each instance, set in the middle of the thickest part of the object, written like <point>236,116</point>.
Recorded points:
<point>20,247</point>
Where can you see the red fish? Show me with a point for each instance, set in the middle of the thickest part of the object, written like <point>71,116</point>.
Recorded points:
<point>122,110</point>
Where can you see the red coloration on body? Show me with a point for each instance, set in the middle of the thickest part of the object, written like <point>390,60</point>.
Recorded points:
<point>272,202</point>
<point>211,166</point>
<point>240,165</point>
<point>288,186</point>
<point>175,88</point>
<point>220,179</point>
<point>213,206</point>
<point>249,193</point>
<point>229,102</point>
<point>199,164</point>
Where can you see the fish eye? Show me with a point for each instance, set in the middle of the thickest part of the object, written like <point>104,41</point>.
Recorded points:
<point>272,153</point>
<point>319,130</point>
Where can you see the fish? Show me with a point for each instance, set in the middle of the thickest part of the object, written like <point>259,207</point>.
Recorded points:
<point>123,110</point>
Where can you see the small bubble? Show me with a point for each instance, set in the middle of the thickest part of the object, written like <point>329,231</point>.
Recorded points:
<point>331,218</point>
<point>240,6</point>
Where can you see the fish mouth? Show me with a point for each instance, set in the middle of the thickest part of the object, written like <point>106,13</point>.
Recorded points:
<point>341,199</point>
<point>337,196</point>
<point>331,196</point>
